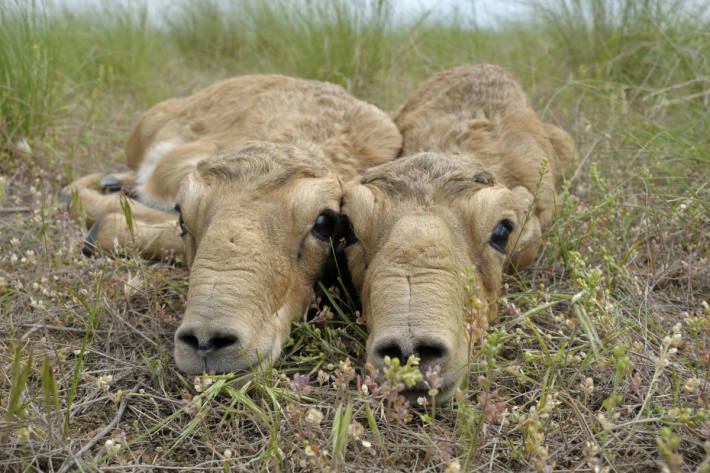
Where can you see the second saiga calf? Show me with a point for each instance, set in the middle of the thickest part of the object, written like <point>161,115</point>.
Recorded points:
<point>472,192</point>
<point>253,167</point>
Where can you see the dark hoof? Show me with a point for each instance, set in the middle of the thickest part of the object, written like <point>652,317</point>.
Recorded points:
<point>110,184</point>
<point>88,247</point>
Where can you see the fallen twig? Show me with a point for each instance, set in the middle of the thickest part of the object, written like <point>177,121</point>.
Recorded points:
<point>11,210</point>
<point>75,460</point>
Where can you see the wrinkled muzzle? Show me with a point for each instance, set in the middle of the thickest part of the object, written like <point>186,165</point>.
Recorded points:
<point>420,314</point>
<point>414,304</point>
<point>225,328</point>
<point>240,302</point>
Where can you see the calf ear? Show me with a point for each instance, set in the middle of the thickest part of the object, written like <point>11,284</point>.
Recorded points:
<point>358,212</point>
<point>527,245</point>
<point>529,240</point>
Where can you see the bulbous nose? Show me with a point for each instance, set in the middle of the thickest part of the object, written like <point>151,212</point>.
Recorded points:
<point>200,350</point>
<point>207,344</point>
<point>431,351</point>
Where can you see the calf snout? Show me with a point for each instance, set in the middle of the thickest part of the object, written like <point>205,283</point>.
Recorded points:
<point>203,350</point>
<point>431,351</point>
<point>207,344</point>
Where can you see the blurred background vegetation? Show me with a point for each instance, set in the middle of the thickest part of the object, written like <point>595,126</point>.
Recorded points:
<point>53,58</point>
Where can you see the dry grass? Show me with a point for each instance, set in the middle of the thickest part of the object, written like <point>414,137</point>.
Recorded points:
<point>599,359</point>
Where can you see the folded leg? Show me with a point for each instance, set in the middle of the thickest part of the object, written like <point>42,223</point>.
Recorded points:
<point>101,194</point>
<point>154,240</point>
<point>108,205</point>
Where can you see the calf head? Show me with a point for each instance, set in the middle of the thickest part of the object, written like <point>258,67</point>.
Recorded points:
<point>425,226</point>
<point>257,222</point>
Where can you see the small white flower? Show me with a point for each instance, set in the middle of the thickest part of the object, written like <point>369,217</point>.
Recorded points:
<point>112,447</point>
<point>355,430</point>
<point>605,423</point>
<point>104,382</point>
<point>24,433</point>
<point>314,416</point>
<point>23,146</point>
<point>676,339</point>
<point>692,385</point>
<point>587,386</point>
<point>134,284</point>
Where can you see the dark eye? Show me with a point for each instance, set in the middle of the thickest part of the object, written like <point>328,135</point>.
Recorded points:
<point>326,225</point>
<point>501,233</point>
<point>181,222</point>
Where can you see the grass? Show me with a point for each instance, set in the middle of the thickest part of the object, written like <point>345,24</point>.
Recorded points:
<point>28,69</point>
<point>598,360</point>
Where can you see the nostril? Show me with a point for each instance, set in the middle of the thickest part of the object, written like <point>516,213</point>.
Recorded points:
<point>390,349</point>
<point>189,339</point>
<point>427,352</point>
<point>430,352</point>
<point>222,341</point>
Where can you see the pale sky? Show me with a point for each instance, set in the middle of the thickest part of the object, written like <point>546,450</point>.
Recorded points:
<point>483,11</point>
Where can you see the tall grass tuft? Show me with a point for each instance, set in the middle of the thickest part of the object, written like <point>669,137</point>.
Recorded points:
<point>116,46</point>
<point>29,92</point>
<point>338,41</point>
<point>648,42</point>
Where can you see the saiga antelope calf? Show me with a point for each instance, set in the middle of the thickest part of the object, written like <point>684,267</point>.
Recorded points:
<point>253,168</point>
<point>473,192</point>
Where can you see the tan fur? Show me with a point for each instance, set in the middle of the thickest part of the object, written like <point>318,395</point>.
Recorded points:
<point>252,162</point>
<point>316,116</point>
<point>154,240</point>
<point>483,110</point>
<point>473,152</point>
